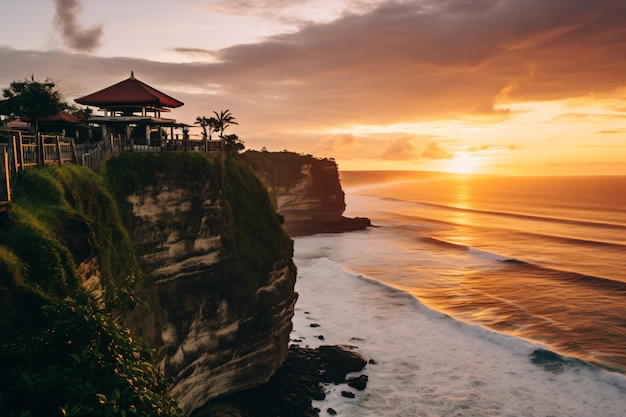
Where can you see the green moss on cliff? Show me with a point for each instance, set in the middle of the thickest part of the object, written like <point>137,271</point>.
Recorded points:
<point>62,352</point>
<point>279,168</point>
<point>128,173</point>
<point>62,217</point>
<point>260,237</point>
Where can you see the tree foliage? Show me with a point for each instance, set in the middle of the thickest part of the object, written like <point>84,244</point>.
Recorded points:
<point>232,144</point>
<point>78,361</point>
<point>62,350</point>
<point>209,126</point>
<point>224,119</point>
<point>31,98</point>
<point>81,113</point>
<point>218,124</point>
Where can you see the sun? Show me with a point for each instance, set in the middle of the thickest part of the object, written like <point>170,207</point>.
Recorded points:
<point>462,163</point>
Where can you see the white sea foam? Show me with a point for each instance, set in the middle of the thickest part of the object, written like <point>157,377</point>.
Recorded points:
<point>427,363</point>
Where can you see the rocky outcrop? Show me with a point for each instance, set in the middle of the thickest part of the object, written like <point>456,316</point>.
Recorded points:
<point>306,191</point>
<point>306,375</point>
<point>221,323</point>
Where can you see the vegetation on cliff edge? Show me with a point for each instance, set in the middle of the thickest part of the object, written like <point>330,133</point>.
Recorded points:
<point>62,352</point>
<point>259,234</point>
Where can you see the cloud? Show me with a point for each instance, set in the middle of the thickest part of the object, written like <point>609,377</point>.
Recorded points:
<point>293,12</point>
<point>477,148</point>
<point>388,63</point>
<point>337,143</point>
<point>433,151</point>
<point>405,61</point>
<point>194,51</point>
<point>78,38</point>
<point>400,149</point>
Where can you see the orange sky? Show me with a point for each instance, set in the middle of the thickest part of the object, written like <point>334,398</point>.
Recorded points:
<point>490,86</point>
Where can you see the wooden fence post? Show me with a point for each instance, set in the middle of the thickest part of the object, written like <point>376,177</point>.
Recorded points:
<point>18,157</point>
<point>74,153</point>
<point>58,147</point>
<point>40,155</point>
<point>7,175</point>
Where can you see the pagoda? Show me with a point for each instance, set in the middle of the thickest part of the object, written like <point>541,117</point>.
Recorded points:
<point>132,110</point>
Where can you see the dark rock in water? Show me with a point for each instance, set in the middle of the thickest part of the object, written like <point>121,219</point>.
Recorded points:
<point>347,394</point>
<point>331,411</point>
<point>292,388</point>
<point>343,358</point>
<point>320,337</point>
<point>314,325</point>
<point>549,360</point>
<point>346,224</point>
<point>359,382</point>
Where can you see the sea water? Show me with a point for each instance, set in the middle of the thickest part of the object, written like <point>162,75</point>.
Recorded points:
<point>461,280</point>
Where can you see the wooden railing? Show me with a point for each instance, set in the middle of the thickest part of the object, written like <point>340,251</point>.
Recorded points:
<point>19,151</point>
<point>100,151</point>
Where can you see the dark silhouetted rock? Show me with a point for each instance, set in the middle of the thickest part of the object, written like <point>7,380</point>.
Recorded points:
<point>359,382</point>
<point>343,358</point>
<point>288,393</point>
<point>347,394</point>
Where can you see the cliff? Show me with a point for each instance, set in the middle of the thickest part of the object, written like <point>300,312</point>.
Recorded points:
<point>195,240</point>
<point>305,190</point>
<point>219,281</point>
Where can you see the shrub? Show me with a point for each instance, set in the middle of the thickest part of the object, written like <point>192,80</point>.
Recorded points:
<point>78,361</point>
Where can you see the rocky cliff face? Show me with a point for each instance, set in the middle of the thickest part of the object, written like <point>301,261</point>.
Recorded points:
<point>221,319</point>
<point>216,274</point>
<point>306,191</point>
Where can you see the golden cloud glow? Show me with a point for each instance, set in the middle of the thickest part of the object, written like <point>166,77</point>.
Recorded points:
<point>507,86</point>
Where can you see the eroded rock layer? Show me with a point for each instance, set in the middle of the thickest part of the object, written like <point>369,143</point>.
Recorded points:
<point>221,325</point>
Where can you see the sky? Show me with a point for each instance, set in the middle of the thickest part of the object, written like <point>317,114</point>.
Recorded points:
<point>511,87</point>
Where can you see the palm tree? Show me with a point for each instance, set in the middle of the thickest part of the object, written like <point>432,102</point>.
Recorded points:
<point>209,126</point>
<point>203,122</point>
<point>224,119</point>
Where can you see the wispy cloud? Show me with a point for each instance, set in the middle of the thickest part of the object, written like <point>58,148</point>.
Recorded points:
<point>74,35</point>
<point>196,52</point>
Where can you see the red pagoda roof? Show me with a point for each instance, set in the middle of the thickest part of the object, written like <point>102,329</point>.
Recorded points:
<point>130,92</point>
<point>59,117</point>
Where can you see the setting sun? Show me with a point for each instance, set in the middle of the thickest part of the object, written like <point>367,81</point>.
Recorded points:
<point>462,163</point>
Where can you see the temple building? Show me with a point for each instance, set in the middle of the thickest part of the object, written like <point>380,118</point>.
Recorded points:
<point>132,111</point>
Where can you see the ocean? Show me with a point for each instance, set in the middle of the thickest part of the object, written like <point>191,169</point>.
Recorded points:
<point>474,295</point>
